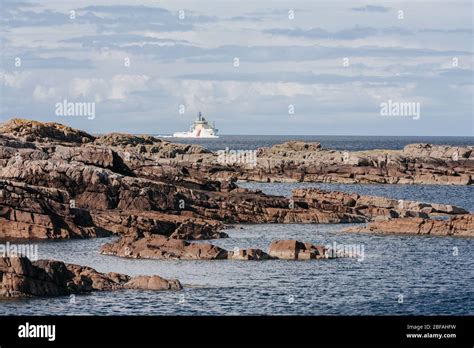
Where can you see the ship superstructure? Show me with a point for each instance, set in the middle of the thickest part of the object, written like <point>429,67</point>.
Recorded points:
<point>199,129</point>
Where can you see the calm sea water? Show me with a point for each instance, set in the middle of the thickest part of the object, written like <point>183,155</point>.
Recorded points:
<point>338,142</point>
<point>398,275</point>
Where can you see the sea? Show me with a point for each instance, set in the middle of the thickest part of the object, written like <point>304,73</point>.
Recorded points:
<point>336,142</point>
<point>392,275</point>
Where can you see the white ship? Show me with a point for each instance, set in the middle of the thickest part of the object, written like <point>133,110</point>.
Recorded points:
<point>199,129</point>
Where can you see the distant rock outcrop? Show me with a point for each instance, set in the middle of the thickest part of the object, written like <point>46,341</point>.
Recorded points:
<point>371,207</point>
<point>34,131</point>
<point>309,162</point>
<point>458,226</point>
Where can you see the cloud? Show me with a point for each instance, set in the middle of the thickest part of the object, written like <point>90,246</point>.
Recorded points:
<point>371,8</point>
<point>130,17</point>
<point>43,93</point>
<point>142,12</point>
<point>448,31</point>
<point>265,54</point>
<point>31,61</point>
<point>360,32</point>
<point>22,18</point>
<point>121,40</point>
<point>119,87</point>
<point>260,16</point>
<point>355,33</point>
<point>10,5</point>
<point>15,79</point>
<point>190,61</point>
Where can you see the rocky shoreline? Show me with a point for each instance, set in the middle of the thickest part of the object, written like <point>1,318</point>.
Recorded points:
<point>160,198</point>
<point>162,248</point>
<point>296,161</point>
<point>21,277</point>
<point>459,226</point>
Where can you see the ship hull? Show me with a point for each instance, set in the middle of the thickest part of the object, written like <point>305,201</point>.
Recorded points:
<point>194,136</point>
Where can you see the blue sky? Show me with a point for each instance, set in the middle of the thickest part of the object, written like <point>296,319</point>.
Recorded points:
<point>289,53</point>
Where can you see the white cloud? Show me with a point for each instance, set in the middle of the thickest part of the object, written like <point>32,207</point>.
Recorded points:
<point>15,79</point>
<point>274,71</point>
<point>118,87</point>
<point>43,93</point>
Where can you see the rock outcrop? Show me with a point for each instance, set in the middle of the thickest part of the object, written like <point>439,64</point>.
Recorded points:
<point>152,283</point>
<point>458,226</point>
<point>153,158</point>
<point>415,164</point>
<point>19,277</point>
<point>141,223</point>
<point>34,212</point>
<point>124,184</point>
<point>29,130</point>
<point>372,207</point>
<point>160,247</point>
<point>248,254</point>
<point>162,199</point>
<point>57,182</point>
<point>295,250</point>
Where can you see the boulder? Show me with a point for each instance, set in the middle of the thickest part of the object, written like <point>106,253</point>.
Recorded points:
<point>295,250</point>
<point>160,247</point>
<point>248,254</point>
<point>153,283</point>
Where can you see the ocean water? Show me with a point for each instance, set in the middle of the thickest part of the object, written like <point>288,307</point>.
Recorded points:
<point>395,275</point>
<point>430,275</point>
<point>337,142</point>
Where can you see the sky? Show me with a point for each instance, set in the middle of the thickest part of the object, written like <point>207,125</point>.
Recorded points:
<point>266,67</point>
